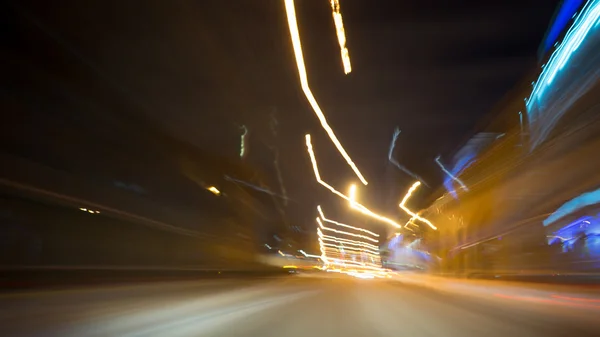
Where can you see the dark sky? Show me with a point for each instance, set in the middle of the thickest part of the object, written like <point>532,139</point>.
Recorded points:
<point>203,68</point>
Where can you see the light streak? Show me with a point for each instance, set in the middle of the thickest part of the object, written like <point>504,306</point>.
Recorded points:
<point>583,23</point>
<point>214,190</point>
<point>339,241</point>
<point>347,241</point>
<point>352,202</point>
<point>396,163</point>
<point>350,249</point>
<point>323,254</point>
<point>346,233</point>
<point>308,255</point>
<point>344,225</point>
<point>243,141</point>
<point>295,36</point>
<point>257,188</point>
<point>587,19</point>
<point>414,215</point>
<point>437,160</point>
<point>341,35</point>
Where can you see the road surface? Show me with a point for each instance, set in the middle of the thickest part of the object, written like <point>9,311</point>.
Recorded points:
<point>303,305</point>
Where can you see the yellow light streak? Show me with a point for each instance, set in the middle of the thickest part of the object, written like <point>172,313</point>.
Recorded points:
<point>214,190</point>
<point>323,254</point>
<point>352,202</point>
<point>345,245</point>
<point>350,250</point>
<point>343,225</point>
<point>297,45</point>
<point>366,246</point>
<point>341,35</point>
<point>290,267</point>
<point>346,233</point>
<point>347,241</point>
<point>337,243</point>
<point>414,215</point>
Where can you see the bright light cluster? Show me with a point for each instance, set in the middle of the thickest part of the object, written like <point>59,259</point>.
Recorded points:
<point>341,35</point>
<point>295,36</point>
<point>352,200</point>
<point>353,257</point>
<point>411,213</point>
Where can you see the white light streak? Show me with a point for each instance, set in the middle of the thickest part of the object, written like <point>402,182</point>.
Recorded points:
<point>437,160</point>
<point>414,215</point>
<point>341,35</point>
<point>295,36</point>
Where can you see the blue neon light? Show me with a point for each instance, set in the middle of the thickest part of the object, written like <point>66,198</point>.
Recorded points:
<point>573,205</point>
<point>564,16</point>
<point>461,165</point>
<point>579,31</point>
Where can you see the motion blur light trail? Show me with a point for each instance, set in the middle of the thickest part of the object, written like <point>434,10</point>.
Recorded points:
<point>414,215</point>
<point>539,101</point>
<point>214,190</point>
<point>347,241</point>
<point>346,233</point>
<point>257,188</point>
<point>341,35</point>
<point>354,245</point>
<point>395,162</point>
<point>587,19</point>
<point>295,36</point>
<point>438,161</point>
<point>339,241</point>
<point>353,203</point>
<point>344,225</point>
<point>243,141</point>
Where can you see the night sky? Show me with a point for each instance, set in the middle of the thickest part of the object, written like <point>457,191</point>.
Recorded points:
<point>203,68</point>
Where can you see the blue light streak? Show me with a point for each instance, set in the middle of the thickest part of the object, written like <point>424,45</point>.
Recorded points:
<point>451,176</point>
<point>395,163</point>
<point>573,205</point>
<point>563,17</point>
<point>585,21</point>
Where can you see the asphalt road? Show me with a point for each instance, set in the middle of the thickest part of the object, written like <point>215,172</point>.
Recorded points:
<point>305,305</point>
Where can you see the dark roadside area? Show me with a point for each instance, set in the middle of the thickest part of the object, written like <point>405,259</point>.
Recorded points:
<point>60,278</point>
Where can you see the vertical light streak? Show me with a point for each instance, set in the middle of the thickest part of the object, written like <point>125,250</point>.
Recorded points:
<point>343,225</point>
<point>243,141</point>
<point>396,163</point>
<point>437,160</point>
<point>414,215</point>
<point>295,36</point>
<point>341,35</point>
